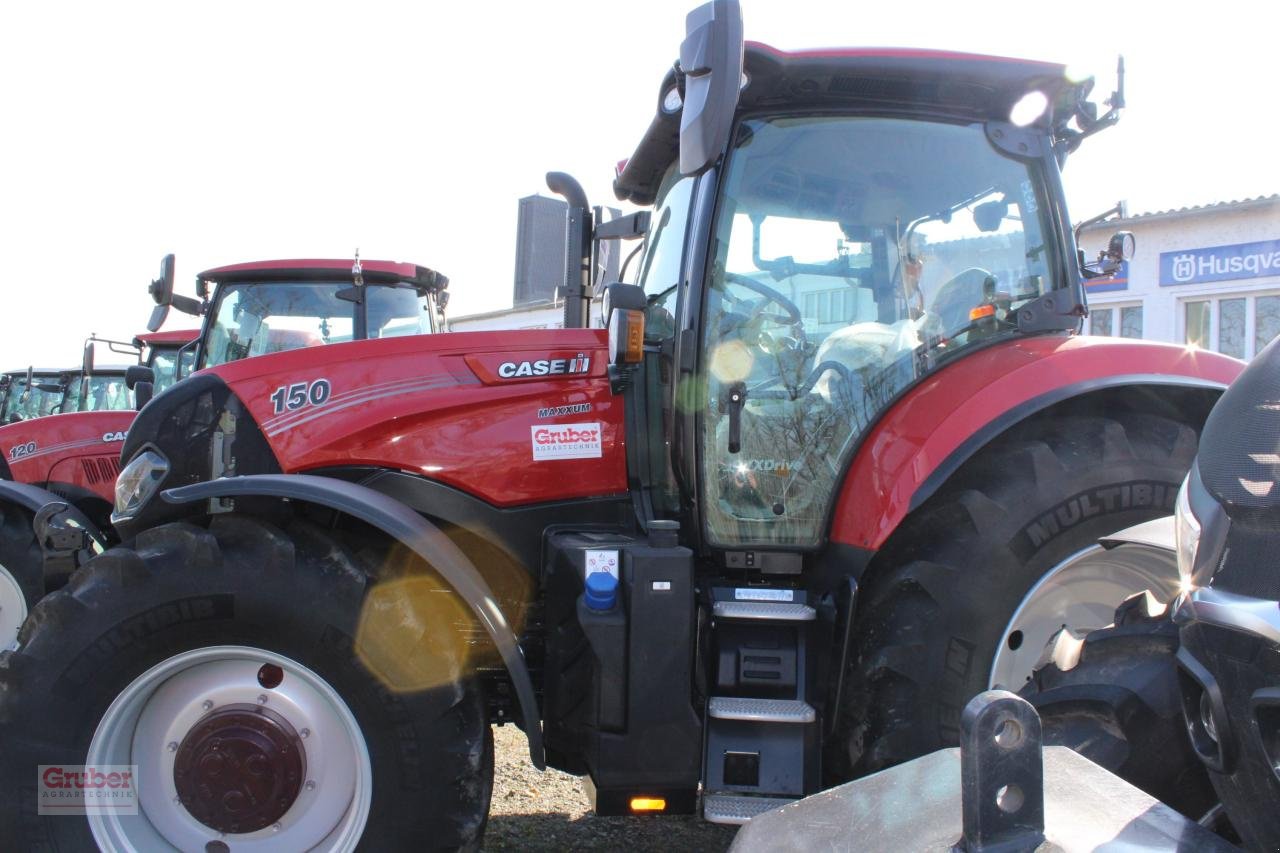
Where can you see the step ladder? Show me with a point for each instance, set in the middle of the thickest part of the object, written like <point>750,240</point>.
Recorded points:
<point>762,733</point>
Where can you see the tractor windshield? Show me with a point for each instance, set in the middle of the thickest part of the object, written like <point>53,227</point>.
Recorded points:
<point>253,319</point>
<point>22,403</point>
<point>97,394</point>
<point>171,363</point>
<point>855,255</point>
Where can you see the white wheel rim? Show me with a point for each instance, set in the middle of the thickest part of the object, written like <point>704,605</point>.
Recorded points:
<point>151,716</point>
<point>13,609</point>
<point>1080,593</point>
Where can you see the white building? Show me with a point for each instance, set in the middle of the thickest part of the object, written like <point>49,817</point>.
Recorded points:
<point>1208,276</point>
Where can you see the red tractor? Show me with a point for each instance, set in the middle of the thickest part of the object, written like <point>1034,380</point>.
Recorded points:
<point>67,465</point>
<point>837,465</point>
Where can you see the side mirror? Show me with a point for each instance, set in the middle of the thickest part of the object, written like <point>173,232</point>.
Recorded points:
<point>988,215</point>
<point>138,373</point>
<point>86,361</point>
<point>623,308</point>
<point>142,394</point>
<point>161,292</point>
<point>711,62</point>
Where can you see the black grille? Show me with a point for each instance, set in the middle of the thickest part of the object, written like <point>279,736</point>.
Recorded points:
<point>100,469</point>
<point>1251,562</point>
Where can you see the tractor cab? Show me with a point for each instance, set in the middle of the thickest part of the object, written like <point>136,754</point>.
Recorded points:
<point>266,307</point>
<point>871,214</point>
<point>102,388</point>
<point>33,393</point>
<point>170,355</point>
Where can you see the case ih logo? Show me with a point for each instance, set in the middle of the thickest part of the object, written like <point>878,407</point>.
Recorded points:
<point>77,789</point>
<point>566,441</point>
<point>545,367</point>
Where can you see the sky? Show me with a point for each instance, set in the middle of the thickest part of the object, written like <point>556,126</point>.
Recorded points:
<point>236,131</point>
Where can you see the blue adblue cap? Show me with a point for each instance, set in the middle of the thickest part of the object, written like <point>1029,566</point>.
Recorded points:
<point>602,591</point>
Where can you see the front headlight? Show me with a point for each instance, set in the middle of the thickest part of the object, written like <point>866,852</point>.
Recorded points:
<point>138,482</point>
<point>1186,536</point>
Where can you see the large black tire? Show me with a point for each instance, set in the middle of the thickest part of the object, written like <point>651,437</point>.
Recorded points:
<point>22,563</point>
<point>1114,698</point>
<point>937,599</point>
<point>297,593</point>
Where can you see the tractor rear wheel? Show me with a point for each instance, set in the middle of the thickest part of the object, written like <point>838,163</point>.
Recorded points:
<point>21,572</point>
<point>226,665</point>
<point>975,583</point>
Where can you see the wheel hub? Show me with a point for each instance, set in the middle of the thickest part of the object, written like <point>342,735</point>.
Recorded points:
<point>13,609</point>
<point>240,769</point>
<point>1080,593</point>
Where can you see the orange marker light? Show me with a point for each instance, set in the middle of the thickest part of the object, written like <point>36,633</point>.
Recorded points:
<point>982,311</point>
<point>648,804</point>
<point>635,343</point>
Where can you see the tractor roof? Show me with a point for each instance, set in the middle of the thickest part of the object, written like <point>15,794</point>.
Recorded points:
<point>42,371</point>
<point>175,338</point>
<point>892,81</point>
<point>320,269</point>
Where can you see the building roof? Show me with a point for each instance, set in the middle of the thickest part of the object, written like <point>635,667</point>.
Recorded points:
<point>1173,213</point>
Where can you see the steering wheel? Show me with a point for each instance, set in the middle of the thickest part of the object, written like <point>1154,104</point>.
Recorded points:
<point>792,316</point>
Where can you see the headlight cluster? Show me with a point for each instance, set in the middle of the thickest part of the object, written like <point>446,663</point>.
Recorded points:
<point>138,482</point>
<point>1200,527</point>
<point>1186,533</point>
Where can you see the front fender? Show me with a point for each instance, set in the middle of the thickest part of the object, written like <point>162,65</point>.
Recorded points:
<point>33,499</point>
<point>414,532</point>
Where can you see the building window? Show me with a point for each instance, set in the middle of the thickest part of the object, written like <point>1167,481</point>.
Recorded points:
<point>828,306</point>
<point>1238,326</point>
<point>1197,333</point>
<point>1102,321</point>
<point>1131,321</point>
<point>1267,325</point>
<point>1231,324</point>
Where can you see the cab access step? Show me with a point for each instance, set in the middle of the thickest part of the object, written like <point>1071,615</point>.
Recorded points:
<point>761,729</point>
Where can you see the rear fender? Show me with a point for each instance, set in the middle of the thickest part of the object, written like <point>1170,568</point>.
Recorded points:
<point>933,429</point>
<point>414,532</point>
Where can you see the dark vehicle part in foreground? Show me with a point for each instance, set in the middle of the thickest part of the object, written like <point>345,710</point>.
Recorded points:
<point>837,466</point>
<point>1227,533</point>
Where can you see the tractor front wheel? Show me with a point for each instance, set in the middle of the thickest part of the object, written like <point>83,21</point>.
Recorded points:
<point>223,667</point>
<point>21,572</point>
<point>975,583</point>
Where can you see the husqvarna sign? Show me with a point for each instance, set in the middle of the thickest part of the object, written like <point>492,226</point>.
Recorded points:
<point>1220,263</point>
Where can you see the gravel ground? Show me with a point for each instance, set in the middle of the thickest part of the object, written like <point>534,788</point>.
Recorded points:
<point>536,811</point>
